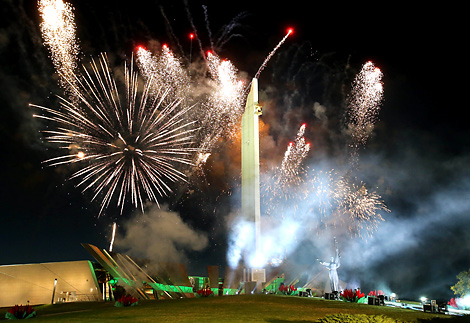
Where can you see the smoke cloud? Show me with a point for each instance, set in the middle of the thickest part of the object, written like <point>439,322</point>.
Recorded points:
<point>159,235</point>
<point>420,247</point>
<point>422,244</point>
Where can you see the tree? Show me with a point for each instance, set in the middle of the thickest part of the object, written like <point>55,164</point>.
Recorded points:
<point>462,287</point>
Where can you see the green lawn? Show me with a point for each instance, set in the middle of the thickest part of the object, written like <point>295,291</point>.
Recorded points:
<point>245,308</point>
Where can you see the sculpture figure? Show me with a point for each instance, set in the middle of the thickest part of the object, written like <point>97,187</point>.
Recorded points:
<point>332,267</point>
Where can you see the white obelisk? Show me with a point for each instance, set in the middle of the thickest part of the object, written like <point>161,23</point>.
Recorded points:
<point>250,162</point>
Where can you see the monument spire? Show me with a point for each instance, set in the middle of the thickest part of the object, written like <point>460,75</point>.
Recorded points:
<point>250,162</point>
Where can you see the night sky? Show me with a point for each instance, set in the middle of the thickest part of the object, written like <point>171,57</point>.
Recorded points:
<point>417,158</point>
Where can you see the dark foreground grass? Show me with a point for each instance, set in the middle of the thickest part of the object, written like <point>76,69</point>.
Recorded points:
<point>245,308</point>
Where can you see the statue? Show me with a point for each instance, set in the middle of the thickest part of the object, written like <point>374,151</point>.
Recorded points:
<point>332,267</point>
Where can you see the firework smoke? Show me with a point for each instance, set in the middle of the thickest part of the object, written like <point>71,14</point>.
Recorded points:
<point>322,190</point>
<point>160,235</point>
<point>325,203</point>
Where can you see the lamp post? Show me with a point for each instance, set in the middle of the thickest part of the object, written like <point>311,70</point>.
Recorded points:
<point>53,291</point>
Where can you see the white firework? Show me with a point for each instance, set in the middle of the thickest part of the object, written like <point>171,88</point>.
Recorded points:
<point>364,103</point>
<point>127,143</point>
<point>58,31</point>
<point>293,157</point>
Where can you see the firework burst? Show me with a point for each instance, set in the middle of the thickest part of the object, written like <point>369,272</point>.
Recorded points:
<point>286,184</point>
<point>358,208</point>
<point>343,203</point>
<point>293,157</point>
<point>127,142</point>
<point>218,101</point>
<point>364,103</point>
<point>164,71</point>
<point>58,31</point>
<point>221,110</point>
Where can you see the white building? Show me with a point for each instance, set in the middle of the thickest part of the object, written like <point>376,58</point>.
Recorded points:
<point>45,283</point>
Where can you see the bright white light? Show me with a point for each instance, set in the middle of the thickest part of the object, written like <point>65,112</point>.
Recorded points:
<point>465,301</point>
<point>423,299</point>
<point>112,237</point>
<point>58,32</point>
<point>241,237</point>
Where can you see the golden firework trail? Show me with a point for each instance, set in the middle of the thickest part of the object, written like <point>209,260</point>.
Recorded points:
<point>58,31</point>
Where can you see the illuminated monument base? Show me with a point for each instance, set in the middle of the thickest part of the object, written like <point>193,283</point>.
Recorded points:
<point>254,279</point>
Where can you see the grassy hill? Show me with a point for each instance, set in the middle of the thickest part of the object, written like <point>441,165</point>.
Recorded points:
<point>244,308</point>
